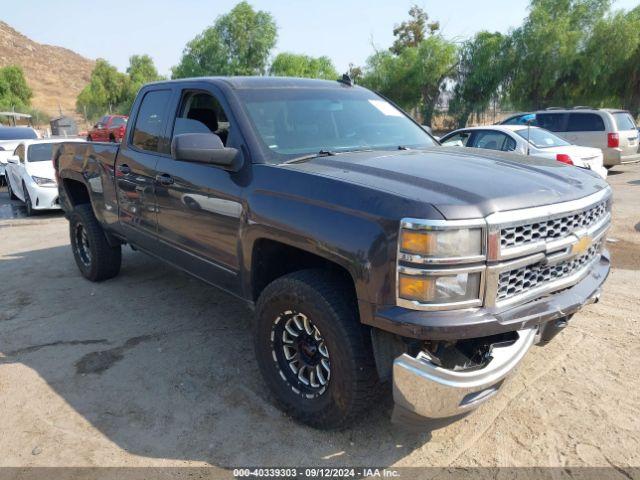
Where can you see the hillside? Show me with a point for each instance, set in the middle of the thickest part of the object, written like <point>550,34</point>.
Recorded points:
<point>56,75</point>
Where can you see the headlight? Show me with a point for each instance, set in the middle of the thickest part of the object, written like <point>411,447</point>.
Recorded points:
<point>441,264</point>
<point>439,287</point>
<point>441,242</point>
<point>44,182</point>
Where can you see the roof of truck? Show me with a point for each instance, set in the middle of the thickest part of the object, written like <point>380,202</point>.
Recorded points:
<point>245,83</point>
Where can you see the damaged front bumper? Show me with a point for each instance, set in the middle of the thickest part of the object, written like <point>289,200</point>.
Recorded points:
<point>423,389</point>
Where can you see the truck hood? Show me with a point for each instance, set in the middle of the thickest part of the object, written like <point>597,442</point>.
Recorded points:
<point>460,182</point>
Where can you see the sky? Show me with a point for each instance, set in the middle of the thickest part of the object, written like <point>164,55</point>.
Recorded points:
<point>346,31</point>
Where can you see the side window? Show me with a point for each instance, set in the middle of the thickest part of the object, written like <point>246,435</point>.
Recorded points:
<point>585,122</point>
<point>550,121</point>
<point>490,140</point>
<point>457,140</point>
<point>201,112</point>
<point>20,153</point>
<point>148,130</point>
<point>509,145</point>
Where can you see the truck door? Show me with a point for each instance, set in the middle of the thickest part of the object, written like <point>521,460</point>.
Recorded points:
<point>199,205</point>
<point>135,167</point>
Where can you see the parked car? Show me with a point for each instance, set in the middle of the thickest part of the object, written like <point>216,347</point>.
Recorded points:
<point>613,131</point>
<point>110,128</point>
<point>10,137</point>
<point>31,176</point>
<point>527,141</point>
<point>519,119</point>
<point>369,252</point>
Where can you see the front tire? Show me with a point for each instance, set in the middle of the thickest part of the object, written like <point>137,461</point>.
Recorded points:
<point>27,200</point>
<point>96,259</point>
<point>313,353</point>
<point>12,196</point>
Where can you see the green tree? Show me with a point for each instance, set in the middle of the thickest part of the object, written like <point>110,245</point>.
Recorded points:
<point>141,70</point>
<point>611,63</point>
<point>238,43</point>
<point>546,69</point>
<point>415,78</point>
<point>413,71</point>
<point>111,91</point>
<point>108,91</point>
<point>480,72</point>
<point>14,91</point>
<point>412,32</point>
<point>295,65</point>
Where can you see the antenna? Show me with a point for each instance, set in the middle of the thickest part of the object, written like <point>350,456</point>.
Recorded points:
<point>346,79</point>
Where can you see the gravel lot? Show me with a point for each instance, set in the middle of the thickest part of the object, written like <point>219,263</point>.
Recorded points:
<point>154,368</point>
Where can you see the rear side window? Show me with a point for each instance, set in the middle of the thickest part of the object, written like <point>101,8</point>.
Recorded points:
<point>149,127</point>
<point>624,121</point>
<point>490,140</point>
<point>554,122</point>
<point>585,122</point>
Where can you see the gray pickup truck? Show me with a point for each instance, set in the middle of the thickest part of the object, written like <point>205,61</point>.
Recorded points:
<point>371,254</point>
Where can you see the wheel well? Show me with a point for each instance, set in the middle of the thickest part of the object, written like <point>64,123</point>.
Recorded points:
<point>271,260</point>
<point>78,193</point>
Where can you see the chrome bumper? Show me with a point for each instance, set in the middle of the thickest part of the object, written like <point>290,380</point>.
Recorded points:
<point>427,390</point>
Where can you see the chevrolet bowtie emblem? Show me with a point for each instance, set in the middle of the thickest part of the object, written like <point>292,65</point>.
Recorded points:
<point>582,245</point>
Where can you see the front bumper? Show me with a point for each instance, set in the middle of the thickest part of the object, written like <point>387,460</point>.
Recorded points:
<point>482,322</point>
<point>424,389</point>
<point>43,198</point>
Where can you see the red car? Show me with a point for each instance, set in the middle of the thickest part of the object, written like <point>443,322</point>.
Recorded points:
<point>110,128</point>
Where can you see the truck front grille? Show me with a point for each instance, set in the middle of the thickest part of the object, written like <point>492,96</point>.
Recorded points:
<point>552,229</point>
<point>520,280</point>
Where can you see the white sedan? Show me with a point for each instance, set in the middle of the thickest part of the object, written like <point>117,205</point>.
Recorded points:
<point>527,141</point>
<point>31,176</point>
<point>10,137</point>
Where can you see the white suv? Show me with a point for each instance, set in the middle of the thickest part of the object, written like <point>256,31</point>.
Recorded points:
<point>613,131</point>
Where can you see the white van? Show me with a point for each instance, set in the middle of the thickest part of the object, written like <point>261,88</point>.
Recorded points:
<point>612,131</point>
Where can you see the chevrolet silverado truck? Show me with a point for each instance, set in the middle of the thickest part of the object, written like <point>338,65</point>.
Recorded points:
<point>371,255</point>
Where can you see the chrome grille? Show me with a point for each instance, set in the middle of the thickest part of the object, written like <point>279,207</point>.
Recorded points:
<point>515,282</point>
<point>551,229</point>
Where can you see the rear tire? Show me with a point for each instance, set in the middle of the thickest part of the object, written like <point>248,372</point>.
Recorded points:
<point>96,259</point>
<point>89,139</point>
<point>315,305</point>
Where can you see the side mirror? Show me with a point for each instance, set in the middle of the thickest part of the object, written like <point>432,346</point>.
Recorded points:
<point>13,159</point>
<point>205,148</point>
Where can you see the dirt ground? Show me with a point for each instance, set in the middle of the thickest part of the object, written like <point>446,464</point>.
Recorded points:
<point>154,368</point>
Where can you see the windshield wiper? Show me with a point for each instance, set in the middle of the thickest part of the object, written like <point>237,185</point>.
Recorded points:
<point>304,158</point>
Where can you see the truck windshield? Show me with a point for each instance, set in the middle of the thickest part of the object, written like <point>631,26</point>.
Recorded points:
<point>294,122</point>
<point>40,152</point>
<point>541,138</point>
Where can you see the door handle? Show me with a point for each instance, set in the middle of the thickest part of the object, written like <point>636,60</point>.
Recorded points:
<point>124,169</point>
<point>164,179</point>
